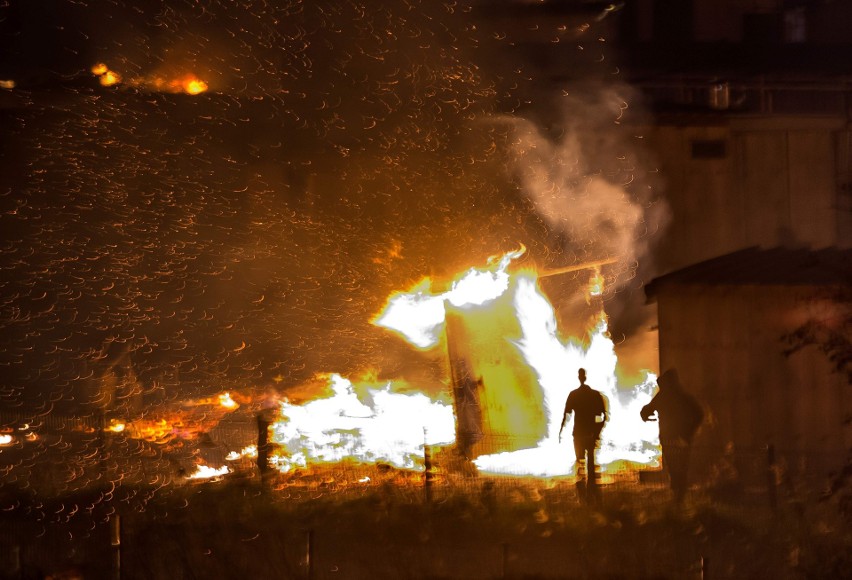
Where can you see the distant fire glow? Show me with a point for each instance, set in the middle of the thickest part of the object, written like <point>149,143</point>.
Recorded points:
<point>188,83</point>
<point>194,86</point>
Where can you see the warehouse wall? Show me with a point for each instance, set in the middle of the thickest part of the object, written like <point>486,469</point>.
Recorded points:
<point>726,343</point>
<point>741,182</point>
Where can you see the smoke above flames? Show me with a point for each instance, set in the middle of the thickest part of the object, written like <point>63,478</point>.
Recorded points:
<point>586,177</point>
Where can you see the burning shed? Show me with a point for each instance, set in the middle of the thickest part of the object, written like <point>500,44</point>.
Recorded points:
<point>761,337</point>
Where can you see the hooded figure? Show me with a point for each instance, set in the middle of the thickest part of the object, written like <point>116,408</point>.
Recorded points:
<point>680,415</point>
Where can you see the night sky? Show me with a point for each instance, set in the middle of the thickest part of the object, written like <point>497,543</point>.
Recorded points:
<point>247,235</point>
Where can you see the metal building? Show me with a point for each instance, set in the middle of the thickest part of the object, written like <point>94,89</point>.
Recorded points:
<point>736,327</point>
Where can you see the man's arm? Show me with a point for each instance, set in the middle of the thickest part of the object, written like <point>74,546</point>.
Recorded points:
<point>648,410</point>
<point>564,419</point>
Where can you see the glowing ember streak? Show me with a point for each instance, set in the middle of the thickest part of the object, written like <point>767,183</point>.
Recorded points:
<point>6,440</point>
<point>382,427</point>
<point>206,472</point>
<point>7,84</point>
<point>116,426</point>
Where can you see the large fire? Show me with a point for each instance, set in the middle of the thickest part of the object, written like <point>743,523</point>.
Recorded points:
<point>489,295</point>
<point>500,330</point>
<point>509,372</point>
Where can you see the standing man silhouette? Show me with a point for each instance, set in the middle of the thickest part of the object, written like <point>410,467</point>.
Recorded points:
<point>590,414</point>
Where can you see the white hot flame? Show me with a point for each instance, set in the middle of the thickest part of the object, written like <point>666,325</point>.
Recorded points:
<point>207,472</point>
<point>383,427</point>
<point>249,452</point>
<point>419,316</point>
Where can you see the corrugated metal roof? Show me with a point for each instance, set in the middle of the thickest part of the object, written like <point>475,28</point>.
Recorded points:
<point>758,266</point>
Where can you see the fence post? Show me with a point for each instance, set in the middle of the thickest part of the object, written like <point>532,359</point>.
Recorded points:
<point>427,471</point>
<point>309,554</point>
<point>17,569</point>
<point>115,544</point>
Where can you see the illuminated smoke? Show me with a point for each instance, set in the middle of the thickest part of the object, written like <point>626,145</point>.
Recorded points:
<point>584,179</point>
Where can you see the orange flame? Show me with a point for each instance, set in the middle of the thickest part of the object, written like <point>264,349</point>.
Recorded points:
<point>206,472</point>
<point>188,83</point>
<point>194,86</point>
<point>189,421</point>
<point>106,77</point>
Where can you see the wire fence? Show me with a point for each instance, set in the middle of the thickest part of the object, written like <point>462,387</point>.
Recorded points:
<point>370,522</point>
<point>117,507</point>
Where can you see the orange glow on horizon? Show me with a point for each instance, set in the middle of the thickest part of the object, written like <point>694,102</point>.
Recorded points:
<point>188,83</point>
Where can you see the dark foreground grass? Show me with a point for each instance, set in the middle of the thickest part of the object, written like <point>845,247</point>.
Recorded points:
<point>478,529</point>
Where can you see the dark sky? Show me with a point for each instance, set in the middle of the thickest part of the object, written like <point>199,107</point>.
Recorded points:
<point>342,151</point>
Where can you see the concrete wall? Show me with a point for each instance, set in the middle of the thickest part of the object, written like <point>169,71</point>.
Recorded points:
<point>726,344</point>
<point>779,182</point>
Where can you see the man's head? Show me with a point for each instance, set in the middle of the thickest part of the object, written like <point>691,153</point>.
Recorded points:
<point>582,376</point>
